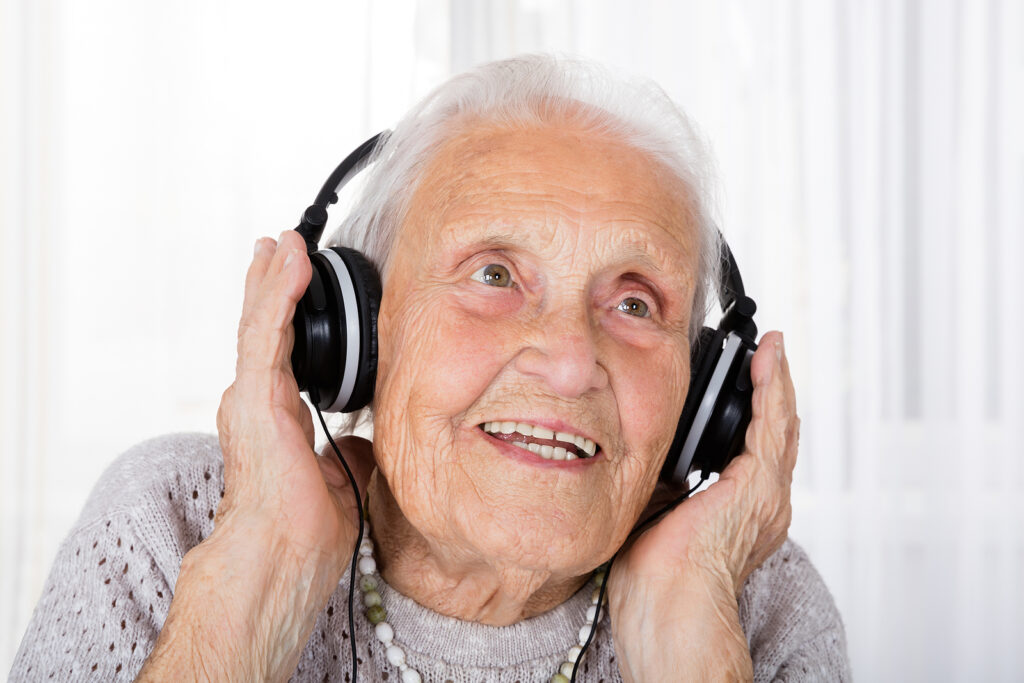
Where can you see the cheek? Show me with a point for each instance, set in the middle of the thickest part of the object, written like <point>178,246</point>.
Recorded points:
<point>437,359</point>
<point>650,390</point>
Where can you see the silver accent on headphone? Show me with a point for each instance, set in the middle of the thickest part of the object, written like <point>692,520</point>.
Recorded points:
<point>732,345</point>
<point>352,336</point>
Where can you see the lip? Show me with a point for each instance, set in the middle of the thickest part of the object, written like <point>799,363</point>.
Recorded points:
<point>553,425</point>
<point>525,456</point>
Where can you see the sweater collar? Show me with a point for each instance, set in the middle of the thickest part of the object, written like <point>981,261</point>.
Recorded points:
<point>466,643</point>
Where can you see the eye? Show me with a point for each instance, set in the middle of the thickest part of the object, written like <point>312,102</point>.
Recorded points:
<point>495,275</point>
<point>634,306</point>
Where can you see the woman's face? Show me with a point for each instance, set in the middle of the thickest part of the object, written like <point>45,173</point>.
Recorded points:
<point>543,277</point>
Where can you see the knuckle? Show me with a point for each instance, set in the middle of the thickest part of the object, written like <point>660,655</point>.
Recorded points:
<point>227,400</point>
<point>226,408</point>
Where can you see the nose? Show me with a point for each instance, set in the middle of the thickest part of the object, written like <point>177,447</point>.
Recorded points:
<point>562,351</point>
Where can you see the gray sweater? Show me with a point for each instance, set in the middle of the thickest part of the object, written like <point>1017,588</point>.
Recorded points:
<point>108,594</point>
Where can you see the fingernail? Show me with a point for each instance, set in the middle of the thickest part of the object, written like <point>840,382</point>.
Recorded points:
<point>281,236</point>
<point>778,350</point>
<point>258,248</point>
<point>290,257</point>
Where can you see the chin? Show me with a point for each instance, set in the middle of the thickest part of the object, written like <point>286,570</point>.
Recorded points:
<point>532,539</point>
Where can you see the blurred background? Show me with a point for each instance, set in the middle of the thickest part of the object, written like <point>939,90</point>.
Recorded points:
<point>872,165</point>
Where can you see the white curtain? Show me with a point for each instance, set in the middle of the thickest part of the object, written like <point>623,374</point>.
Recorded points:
<point>872,168</point>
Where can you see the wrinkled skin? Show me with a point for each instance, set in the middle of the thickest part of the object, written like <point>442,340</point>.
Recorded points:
<point>579,236</point>
<point>581,224</point>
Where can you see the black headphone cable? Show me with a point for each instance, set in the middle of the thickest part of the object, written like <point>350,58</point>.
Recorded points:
<point>315,400</point>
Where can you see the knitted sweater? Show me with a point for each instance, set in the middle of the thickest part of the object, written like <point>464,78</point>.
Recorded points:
<point>111,585</point>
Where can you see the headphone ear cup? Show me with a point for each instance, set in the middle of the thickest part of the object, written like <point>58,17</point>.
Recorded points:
<point>726,430</point>
<point>713,424</point>
<point>703,358</point>
<point>335,353</point>
<point>368,295</point>
<point>315,352</point>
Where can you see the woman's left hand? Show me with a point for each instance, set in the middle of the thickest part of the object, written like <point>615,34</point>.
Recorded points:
<point>673,593</point>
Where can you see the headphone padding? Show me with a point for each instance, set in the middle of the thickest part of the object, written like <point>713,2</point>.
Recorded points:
<point>725,434</point>
<point>368,295</point>
<point>703,358</point>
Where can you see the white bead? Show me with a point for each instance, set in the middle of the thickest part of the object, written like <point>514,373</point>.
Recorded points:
<point>411,676</point>
<point>566,669</point>
<point>366,547</point>
<point>367,565</point>
<point>385,633</point>
<point>585,633</point>
<point>396,655</point>
<point>591,614</point>
<point>574,653</point>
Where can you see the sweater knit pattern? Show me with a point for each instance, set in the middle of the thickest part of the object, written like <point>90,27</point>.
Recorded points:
<point>111,585</point>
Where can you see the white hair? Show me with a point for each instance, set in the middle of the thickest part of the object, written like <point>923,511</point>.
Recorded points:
<point>528,91</point>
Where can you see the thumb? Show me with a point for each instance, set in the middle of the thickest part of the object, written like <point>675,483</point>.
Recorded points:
<point>358,455</point>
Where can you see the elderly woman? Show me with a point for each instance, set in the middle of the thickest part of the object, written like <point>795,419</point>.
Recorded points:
<point>542,234</point>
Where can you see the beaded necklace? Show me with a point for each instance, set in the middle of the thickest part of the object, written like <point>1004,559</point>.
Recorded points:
<point>369,581</point>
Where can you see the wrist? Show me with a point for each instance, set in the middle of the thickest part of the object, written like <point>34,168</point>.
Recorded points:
<point>682,629</point>
<point>244,605</point>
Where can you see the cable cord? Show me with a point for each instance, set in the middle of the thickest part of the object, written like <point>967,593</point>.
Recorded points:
<point>640,528</point>
<point>359,538</point>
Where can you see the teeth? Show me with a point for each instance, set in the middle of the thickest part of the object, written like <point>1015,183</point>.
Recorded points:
<point>585,445</point>
<point>542,433</point>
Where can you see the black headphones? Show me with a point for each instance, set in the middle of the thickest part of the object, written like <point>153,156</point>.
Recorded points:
<point>335,354</point>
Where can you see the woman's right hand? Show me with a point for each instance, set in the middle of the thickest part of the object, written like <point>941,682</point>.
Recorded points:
<point>271,473</point>
<point>248,596</point>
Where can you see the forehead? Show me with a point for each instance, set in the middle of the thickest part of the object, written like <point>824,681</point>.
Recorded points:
<point>554,183</point>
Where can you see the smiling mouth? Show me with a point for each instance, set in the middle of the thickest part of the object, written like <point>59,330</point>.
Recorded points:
<point>542,441</point>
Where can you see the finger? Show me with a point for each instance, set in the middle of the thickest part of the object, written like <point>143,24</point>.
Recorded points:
<point>287,278</point>
<point>774,397</point>
<point>789,410</point>
<point>266,335</point>
<point>263,252</point>
<point>773,410</point>
<point>787,377</point>
<point>288,242</point>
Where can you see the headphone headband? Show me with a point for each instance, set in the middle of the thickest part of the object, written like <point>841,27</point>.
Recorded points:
<point>738,309</point>
<point>314,218</point>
